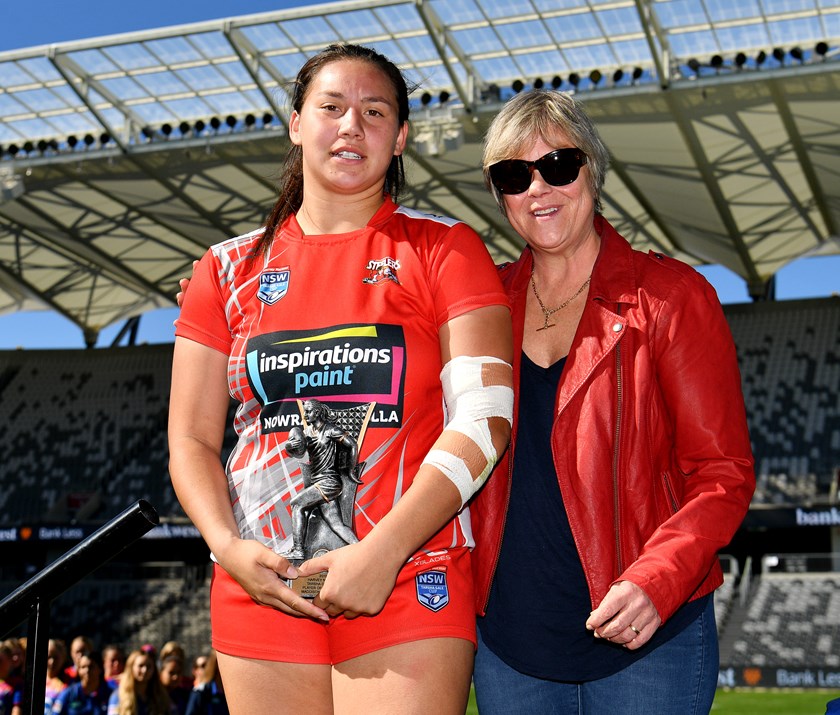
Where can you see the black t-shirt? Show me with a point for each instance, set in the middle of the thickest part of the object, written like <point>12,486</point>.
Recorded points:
<point>539,599</point>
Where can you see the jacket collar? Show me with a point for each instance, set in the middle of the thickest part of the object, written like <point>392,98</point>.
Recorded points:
<point>614,277</point>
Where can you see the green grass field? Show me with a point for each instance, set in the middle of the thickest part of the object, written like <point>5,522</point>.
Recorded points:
<point>753,702</point>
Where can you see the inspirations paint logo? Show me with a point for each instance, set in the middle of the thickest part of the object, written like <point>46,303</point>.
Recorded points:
<point>348,364</point>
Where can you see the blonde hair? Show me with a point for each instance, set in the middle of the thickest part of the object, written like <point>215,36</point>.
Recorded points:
<point>544,114</point>
<point>157,699</point>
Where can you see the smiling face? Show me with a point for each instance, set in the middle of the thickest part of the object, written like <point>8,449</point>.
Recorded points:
<point>142,668</point>
<point>348,129</point>
<point>553,219</point>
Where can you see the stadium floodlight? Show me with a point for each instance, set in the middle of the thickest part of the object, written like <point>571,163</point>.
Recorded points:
<point>760,58</point>
<point>797,54</point>
<point>556,81</point>
<point>637,74</point>
<point>821,48</point>
<point>740,60</point>
<point>443,97</point>
<point>230,120</point>
<point>779,55</point>
<point>267,118</point>
<point>574,80</point>
<point>694,65</point>
<point>215,122</point>
<point>517,85</point>
<point>716,62</point>
<point>538,83</point>
<point>618,75</point>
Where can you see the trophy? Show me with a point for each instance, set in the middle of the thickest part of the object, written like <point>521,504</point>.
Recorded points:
<point>327,449</point>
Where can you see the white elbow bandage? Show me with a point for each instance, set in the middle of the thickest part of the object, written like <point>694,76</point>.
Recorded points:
<point>475,389</point>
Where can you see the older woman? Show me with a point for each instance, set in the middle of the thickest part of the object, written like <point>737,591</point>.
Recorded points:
<point>630,461</point>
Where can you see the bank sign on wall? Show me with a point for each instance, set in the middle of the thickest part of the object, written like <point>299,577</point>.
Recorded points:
<point>764,677</point>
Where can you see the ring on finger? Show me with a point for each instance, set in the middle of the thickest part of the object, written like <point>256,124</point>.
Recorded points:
<point>634,629</point>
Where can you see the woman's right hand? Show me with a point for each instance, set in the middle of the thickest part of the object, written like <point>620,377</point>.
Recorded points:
<point>261,573</point>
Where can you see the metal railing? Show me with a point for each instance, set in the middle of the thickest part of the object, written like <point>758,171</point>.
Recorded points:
<point>32,600</point>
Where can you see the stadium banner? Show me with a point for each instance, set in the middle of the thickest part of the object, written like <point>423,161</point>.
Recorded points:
<point>791,517</point>
<point>754,676</point>
<point>77,533</point>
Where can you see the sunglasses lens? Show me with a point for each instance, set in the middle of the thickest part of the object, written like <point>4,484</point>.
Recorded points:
<point>511,176</point>
<point>558,168</point>
<point>561,167</point>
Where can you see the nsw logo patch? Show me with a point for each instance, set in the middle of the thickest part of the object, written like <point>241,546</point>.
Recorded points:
<point>273,285</point>
<point>432,589</point>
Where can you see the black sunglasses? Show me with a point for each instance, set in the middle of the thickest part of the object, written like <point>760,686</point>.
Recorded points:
<point>558,168</point>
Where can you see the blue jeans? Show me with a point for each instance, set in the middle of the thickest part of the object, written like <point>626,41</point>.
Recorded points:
<point>679,677</point>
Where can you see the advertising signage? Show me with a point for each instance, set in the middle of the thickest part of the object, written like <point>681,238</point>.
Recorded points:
<point>767,677</point>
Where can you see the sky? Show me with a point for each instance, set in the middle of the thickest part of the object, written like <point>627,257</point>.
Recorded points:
<point>44,22</point>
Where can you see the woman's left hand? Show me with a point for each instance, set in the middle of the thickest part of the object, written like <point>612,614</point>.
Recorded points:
<point>626,616</point>
<point>358,582</point>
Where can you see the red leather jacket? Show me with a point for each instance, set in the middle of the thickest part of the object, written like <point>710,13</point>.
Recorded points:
<point>650,439</point>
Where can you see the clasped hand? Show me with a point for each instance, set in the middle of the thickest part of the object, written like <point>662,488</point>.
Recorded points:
<point>626,616</point>
<point>262,574</point>
<point>360,578</point>
<point>358,582</point>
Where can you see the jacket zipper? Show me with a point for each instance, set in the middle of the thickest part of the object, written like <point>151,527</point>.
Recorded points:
<point>620,395</point>
<point>670,492</point>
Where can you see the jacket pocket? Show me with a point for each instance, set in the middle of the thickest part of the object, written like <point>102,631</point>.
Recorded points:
<point>673,502</point>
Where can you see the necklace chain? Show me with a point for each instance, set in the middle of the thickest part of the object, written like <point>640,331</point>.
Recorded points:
<point>548,312</point>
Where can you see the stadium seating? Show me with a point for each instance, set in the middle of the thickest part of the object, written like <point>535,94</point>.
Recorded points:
<point>85,430</point>
<point>789,355</point>
<point>791,620</point>
<point>84,433</point>
<point>134,611</point>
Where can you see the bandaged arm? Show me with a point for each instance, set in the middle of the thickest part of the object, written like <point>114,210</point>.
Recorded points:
<point>475,390</point>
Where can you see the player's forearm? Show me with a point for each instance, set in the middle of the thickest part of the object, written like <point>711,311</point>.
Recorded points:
<point>202,489</point>
<point>424,509</point>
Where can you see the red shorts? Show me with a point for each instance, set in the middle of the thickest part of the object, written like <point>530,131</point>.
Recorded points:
<point>433,598</point>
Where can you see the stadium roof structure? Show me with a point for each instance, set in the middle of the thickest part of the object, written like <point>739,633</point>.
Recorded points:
<point>123,158</point>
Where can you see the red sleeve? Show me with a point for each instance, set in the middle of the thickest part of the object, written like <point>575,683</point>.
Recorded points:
<point>463,275</point>
<point>203,317</point>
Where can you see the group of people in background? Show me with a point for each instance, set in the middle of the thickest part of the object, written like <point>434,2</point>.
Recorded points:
<point>84,680</point>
